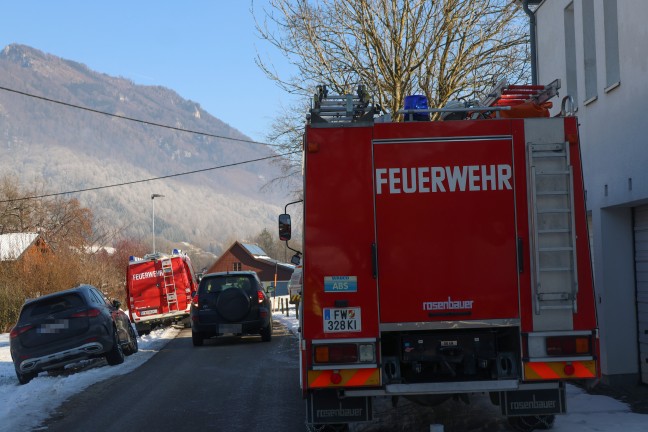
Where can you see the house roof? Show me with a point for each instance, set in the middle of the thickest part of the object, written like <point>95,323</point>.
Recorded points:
<point>13,245</point>
<point>260,255</point>
<point>254,250</point>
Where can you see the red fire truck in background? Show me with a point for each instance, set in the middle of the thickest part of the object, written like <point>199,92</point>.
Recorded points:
<point>159,288</point>
<point>444,257</point>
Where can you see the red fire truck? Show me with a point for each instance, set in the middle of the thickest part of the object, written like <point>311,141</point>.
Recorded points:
<point>159,288</point>
<point>444,257</point>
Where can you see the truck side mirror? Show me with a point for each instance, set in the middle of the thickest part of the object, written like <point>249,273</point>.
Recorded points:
<point>284,227</point>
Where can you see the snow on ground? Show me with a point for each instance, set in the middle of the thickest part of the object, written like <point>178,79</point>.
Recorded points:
<point>25,407</point>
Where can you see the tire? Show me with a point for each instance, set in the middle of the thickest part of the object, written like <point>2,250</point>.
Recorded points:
<point>342,427</point>
<point>266,333</point>
<point>24,378</point>
<point>116,355</point>
<point>530,423</point>
<point>133,346</point>
<point>197,338</point>
<point>233,304</point>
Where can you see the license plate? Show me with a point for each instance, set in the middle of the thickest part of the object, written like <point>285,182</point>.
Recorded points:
<point>342,320</point>
<point>54,327</point>
<point>229,328</point>
<point>148,312</point>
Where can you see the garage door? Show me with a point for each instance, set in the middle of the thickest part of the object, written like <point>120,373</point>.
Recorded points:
<point>641,269</point>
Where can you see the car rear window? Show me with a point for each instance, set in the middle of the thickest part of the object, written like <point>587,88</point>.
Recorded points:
<point>53,305</point>
<point>221,283</point>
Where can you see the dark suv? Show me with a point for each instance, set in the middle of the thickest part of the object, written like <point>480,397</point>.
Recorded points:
<point>64,327</point>
<point>230,303</point>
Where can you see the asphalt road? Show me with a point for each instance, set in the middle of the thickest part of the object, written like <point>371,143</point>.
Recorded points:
<point>229,384</point>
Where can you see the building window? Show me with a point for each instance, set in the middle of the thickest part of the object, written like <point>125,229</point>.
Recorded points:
<point>611,24</point>
<point>237,266</point>
<point>570,54</point>
<point>589,50</point>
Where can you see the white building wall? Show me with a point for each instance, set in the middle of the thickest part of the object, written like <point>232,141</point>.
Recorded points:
<point>614,146</point>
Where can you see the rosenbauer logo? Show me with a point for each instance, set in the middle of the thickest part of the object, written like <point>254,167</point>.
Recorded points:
<point>146,275</point>
<point>448,305</point>
<point>444,179</point>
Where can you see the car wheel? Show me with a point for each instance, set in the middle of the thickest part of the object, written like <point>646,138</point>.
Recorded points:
<point>24,378</point>
<point>233,304</point>
<point>197,338</point>
<point>116,355</point>
<point>133,346</point>
<point>266,333</point>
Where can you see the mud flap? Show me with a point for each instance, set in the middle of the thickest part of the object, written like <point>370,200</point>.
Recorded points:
<point>534,401</point>
<point>325,407</point>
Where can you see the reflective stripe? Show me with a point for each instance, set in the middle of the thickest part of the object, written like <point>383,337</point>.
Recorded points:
<point>556,370</point>
<point>350,378</point>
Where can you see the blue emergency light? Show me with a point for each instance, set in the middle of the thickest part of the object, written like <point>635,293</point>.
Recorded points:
<point>416,102</point>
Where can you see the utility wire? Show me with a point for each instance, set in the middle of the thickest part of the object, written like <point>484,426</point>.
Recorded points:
<point>147,180</point>
<point>136,120</point>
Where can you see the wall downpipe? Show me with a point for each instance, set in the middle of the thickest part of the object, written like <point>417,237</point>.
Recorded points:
<point>532,40</point>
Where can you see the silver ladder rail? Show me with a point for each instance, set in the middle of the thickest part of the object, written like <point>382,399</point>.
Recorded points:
<point>556,282</point>
<point>346,108</point>
<point>169,284</point>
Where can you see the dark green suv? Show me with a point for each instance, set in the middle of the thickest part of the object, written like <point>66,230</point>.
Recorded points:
<point>230,303</point>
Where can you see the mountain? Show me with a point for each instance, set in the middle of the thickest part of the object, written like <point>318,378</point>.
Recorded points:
<point>69,149</point>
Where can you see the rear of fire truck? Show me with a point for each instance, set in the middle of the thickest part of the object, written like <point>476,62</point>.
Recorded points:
<point>159,287</point>
<point>444,258</point>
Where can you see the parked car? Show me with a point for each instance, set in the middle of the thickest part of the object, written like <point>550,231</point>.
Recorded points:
<point>230,303</point>
<point>68,326</point>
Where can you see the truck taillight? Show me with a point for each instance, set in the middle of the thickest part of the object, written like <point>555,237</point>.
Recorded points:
<point>568,345</point>
<point>337,353</point>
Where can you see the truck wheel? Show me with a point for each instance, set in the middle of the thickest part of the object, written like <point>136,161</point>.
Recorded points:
<point>24,378</point>
<point>196,338</point>
<point>116,355</point>
<point>530,423</point>
<point>342,427</point>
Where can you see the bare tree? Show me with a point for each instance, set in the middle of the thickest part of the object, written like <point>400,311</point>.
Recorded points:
<point>444,49</point>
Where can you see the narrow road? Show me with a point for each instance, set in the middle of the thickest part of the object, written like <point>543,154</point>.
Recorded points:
<point>229,384</point>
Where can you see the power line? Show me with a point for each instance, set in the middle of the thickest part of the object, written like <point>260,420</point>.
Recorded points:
<point>147,180</point>
<point>136,120</point>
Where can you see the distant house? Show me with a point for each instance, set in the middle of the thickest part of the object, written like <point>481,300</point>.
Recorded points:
<point>17,246</point>
<point>246,256</point>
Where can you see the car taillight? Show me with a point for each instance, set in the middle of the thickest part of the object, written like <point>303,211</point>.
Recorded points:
<point>194,300</point>
<point>86,313</point>
<point>17,331</point>
<point>261,296</point>
<point>568,345</point>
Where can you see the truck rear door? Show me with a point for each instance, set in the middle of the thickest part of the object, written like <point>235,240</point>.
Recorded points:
<point>445,212</point>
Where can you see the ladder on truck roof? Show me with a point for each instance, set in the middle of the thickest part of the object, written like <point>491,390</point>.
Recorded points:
<point>169,285</point>
<point>347,108</point>
<point>556,282</point>
<point>504,94</point>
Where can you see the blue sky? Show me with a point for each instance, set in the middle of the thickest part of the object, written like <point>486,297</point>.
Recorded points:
<point>202,49</point>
